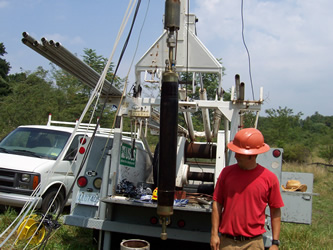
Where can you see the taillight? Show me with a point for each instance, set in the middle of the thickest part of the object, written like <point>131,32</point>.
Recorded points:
<point>82,150</point>
<point>82,181</point>
<point>276,153</point>
<point>83,141</point>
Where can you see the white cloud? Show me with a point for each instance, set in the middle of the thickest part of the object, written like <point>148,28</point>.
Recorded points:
<point>290,44</point>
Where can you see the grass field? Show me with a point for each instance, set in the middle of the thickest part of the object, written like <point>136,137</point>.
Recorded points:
<point>65,237</point>
<point>318,235</point>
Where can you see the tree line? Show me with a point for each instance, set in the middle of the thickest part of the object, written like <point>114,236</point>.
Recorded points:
<point>28,98</point>
<point>303,140</point>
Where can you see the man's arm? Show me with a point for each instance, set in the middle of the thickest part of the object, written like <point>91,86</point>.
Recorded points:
<point>276,224</point>
<point>216,218</point>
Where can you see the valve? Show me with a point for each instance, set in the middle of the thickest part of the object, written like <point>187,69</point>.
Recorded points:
<point>164,221</point>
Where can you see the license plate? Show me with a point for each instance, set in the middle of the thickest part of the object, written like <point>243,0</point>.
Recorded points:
<point>87,198</point>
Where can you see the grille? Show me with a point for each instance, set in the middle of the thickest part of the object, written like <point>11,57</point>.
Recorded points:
<point>7,178</point>
<point>10,182</point>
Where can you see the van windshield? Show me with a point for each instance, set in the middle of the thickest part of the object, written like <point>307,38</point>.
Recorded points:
<point>35,142</point>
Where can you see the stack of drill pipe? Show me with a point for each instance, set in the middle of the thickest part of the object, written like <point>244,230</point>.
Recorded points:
<point>60,56</point>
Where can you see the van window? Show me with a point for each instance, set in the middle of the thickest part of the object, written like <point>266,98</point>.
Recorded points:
<point>35,142</point>
<point>72,150</point>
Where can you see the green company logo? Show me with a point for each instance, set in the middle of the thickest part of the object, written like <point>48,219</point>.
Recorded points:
<point>126,156</point>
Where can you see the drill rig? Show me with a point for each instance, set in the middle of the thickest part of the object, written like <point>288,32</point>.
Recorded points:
<point>181,167</point>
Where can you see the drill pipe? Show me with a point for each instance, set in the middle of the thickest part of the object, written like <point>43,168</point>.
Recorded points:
<point>83,67</point>
<point>42,50</point>
<point>57,54</point>
<point>64,64</point>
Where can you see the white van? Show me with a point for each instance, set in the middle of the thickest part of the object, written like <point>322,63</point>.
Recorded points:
<point>29,153</point>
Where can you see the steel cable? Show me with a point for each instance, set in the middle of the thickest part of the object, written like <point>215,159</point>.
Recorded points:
<point>247,50</point>
<point>101,113</point>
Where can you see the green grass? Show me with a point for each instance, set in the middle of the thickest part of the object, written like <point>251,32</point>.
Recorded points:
<point>66,237</point>
<point>318,235</point>
<point>69,237</point>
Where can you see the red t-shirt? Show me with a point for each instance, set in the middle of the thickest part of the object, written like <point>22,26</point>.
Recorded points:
<point>244,195</point>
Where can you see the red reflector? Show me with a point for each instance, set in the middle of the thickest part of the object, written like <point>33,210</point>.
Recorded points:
<point>181,223</point>
<point>276,153</point>
<point>82,181</point>
<point>82,150</point>
<point>153,220</point>
<point>83,141</point>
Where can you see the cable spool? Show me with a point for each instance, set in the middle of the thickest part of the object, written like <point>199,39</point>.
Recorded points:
<point>31,228</point>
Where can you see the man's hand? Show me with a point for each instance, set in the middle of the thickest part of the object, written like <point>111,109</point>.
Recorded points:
<point>216,219</point>
<point>215,242</point>
<point>274,247</point>
<point>276,224</point>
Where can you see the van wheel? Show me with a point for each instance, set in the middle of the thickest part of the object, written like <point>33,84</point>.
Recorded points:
<point>47,200</point>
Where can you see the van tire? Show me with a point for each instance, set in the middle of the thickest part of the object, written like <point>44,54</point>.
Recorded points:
<point>57,204</point>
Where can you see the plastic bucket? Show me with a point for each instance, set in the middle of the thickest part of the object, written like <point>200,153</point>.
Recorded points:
<point>134,245</point>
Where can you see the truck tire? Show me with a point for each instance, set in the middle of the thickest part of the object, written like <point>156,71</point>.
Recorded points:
<point>48,197</point>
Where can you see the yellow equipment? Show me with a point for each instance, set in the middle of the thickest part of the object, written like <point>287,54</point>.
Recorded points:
<point>154,196</point>
<point>31,228</point>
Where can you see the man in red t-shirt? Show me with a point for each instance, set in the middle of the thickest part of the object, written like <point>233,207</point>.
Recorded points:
<point>241,195</point>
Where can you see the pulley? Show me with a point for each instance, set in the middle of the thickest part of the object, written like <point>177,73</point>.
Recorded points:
<point>31,230</point>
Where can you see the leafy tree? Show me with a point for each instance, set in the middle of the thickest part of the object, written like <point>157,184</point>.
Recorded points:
<point>315,123</point>
<point>296,152</point>
<point>4,65</point>
<point>32,98</point>
<point>76,93</point>
<point>280,126</point>
<point>249,119</point>
<point>98,63</point>
<point>73,93</point>
<point>326,152</point>
<point>4,70</point>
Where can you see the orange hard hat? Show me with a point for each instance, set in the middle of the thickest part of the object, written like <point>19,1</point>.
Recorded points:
<point>248,141</point>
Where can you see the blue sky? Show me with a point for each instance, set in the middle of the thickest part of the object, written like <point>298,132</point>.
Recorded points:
<point>290,41</point>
